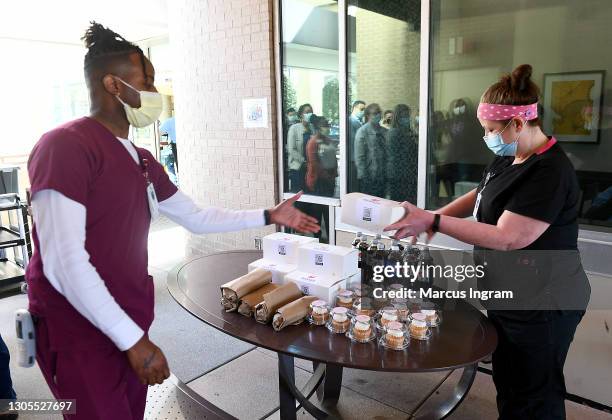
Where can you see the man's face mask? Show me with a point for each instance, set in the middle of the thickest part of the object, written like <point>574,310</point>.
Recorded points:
<point>495,143</point>
<point>149,111</point>
<point>292,119</point>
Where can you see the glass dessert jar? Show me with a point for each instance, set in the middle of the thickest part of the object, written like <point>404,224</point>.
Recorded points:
<point>432,317</point>
<point>402,308</point>
<point>361,329</point>
<point>345,299</point>
<point>395,336</point>
<point>388,314</point>
<point>418,327</point>
<point>338,321</point>
<point>318,312</point>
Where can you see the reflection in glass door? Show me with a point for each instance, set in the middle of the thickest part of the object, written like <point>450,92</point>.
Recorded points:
<point>383,42</point>
<point>310,96</point>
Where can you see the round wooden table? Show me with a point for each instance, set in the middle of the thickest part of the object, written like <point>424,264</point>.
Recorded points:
<point>464,338</point>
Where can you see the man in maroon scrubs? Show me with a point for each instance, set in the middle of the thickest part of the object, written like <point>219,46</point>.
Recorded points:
<point>93,198</point>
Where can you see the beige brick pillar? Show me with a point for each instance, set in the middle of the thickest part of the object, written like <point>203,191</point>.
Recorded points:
<point>223,53</point>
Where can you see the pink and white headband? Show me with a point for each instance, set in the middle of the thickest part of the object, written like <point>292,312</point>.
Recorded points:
<point>497,112</point>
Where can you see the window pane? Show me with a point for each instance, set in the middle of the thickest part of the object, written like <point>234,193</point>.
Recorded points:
<point>383,39</point>
<point>560,39</point>
<point>43,88</point>
<point>310,96</point>
<point>321,213</point>
<point>161,56</point>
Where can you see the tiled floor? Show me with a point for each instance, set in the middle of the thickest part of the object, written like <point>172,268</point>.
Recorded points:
<point>247,388</point>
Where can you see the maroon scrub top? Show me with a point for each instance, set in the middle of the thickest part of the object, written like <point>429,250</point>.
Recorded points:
<point>85,162</point>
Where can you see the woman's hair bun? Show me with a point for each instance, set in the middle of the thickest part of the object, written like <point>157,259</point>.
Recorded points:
<point>520,77</point>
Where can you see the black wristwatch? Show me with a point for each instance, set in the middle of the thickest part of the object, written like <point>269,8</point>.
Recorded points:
<point>435,226</point>
<point>267,217</point>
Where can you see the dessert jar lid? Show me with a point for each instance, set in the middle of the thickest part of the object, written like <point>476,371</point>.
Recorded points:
<point>388,310</point>
<point>428,312</point>
<point>339,310</point>
<point>395,286</point>
<point>418,323</point>
<point>363,319</point>
<point>418,316</point>
<point>318,303</point>
<point>395,326</point>
<point>346,294</point>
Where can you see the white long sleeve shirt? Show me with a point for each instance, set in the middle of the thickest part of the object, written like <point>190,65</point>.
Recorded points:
<point>66,262</point>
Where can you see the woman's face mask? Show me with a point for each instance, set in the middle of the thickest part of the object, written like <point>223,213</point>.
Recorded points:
<point>459,110</point>
<point>495,142</point>
<point>324,131</point>
<point>404,121</point>
<point>150,107</point>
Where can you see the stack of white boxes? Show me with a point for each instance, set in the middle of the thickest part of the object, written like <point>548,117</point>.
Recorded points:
<point>323,270</point>
<point>318,269</point>
<point>280,254</point>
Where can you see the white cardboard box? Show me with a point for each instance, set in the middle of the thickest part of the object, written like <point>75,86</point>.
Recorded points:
<point>370,213</point>
<point>321,286</point>
<point>328,260</point>
<point>279,271</point>
<point>282,247</point>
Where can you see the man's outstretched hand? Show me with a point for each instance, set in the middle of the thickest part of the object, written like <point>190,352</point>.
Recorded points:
<point>286,214</point>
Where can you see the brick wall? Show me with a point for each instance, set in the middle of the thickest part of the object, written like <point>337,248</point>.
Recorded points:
<point>223,53</point>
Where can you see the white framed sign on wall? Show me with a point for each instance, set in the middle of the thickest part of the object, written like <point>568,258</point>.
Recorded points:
<point>255,112</point>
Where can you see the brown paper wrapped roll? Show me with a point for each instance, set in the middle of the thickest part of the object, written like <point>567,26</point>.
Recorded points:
<point>274,300</point>
<point>292,313</point>
<point>233,291</point>
<point>250,301</point>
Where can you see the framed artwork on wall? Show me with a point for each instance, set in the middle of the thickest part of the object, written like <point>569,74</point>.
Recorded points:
<point>572,105</point>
